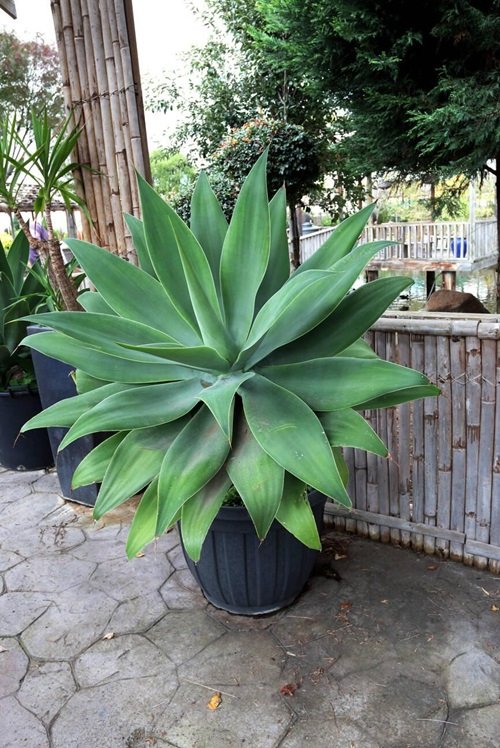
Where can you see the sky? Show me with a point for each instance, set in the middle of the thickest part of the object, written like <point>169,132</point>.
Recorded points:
<point>164,28</point>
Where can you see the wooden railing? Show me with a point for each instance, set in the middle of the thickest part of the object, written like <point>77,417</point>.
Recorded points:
<point>439,492</point>
<point>448,241</point>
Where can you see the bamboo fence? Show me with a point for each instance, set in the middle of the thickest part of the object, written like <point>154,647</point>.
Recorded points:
<point>101,81</point>
<point>439,492</point>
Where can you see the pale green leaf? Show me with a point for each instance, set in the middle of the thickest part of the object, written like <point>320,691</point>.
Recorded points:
<point>199,512</point>
<point>402,395</point>
<point>220,398</point>
<point>278,267</point>
<point>92,301</point>
<point>136,228</point>
<point>208,224</point>
<point>143,528</point>
<point>295,513</point>
<point>94,465</point>
<point>347,428</point>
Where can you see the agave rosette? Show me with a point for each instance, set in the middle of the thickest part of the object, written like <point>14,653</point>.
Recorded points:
<point>212,367</point>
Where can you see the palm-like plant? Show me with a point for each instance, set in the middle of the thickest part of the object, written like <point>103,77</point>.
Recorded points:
<point>214,368</point>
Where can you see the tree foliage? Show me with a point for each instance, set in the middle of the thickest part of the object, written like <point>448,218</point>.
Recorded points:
<point>171,172</point>
<point>30,79</point>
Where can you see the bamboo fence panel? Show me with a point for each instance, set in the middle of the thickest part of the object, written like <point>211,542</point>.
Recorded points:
<point>96,42</point>
<point>440,490</point>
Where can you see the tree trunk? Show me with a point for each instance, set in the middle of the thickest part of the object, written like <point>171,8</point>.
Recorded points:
<point>294,224</point>
<point>56,264</point>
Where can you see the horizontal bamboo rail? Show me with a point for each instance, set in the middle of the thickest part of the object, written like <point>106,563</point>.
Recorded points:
<point>439,492</point>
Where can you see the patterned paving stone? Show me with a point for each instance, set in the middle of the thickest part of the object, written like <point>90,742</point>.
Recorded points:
<point>54,573</point>
<point>256,716</point>
<point>181,591</point>
<point>241,657</point>
<point>9,559</point>
<point>78,617</point>
<point>13,666</point>
<point>19,609</point>
<point>46,688</point>
<point>48,483</point>
<point>326,733</point>
<point>121,658</point>
<point>476,728</point>
<point>42,539</point>
<point>123,579</point>
<point>176,555</point>
<point>138,614</point>
<point>14,492</point>
<point>112,714</point>
<point>29,511</point>
<point>19,728</point>
<point>100,550</point>
<point>183,634</point>
<point>473,680</point>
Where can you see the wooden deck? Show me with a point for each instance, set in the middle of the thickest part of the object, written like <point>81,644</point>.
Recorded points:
<point>448,245</point>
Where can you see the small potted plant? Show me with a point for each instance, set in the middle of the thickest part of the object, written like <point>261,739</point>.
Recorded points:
<point>219,373</point>
<point>20,293</point>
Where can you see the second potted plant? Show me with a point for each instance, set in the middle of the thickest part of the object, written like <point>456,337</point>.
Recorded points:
<point>217,373</point>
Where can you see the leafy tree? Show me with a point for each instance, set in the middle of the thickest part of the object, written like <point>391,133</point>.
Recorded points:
<point>171,172</point>
<point>30,80</point>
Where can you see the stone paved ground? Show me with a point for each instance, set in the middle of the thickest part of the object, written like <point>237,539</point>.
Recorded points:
<point>98,652</point>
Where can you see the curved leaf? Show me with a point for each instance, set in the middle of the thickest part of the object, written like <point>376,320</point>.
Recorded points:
<point>137,408</point>
<point>143,528</point>
<point>348,322</point>
<point>208,224</point>
<point>402,395</point>
<point>199,512</point>
<point>245,253</point>
<point>136,462</point>
<point>92,301</point>
<point>94,465</point>
<point>278,267</point>
<point>126,287</point>
<point>17,260</point>
<point>257,478</point>
<point>355,380</point>
<point>295,513</point>
<point>288,430</point>
<point>347,428</point>
<point>220,398</point>
<point>340,243</point>
<point>136,228</point>
<point>187,467</point>
<point>199,357</point>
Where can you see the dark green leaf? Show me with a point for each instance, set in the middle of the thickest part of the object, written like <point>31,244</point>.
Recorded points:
<point>347,428</point>
<point>295,513</point>
<point>199,512</point>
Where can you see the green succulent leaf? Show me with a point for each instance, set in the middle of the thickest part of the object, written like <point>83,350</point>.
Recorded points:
<point>199,357</point>
<point>136,228</point>
<point>94,465</point>
<point>340,243</point>
<point>348,322</point>
<point>208,224</point>
<point>347,428</point>
<point>245,254</point>
<point>143,528</point>
<point>105,366</point>
<point>187,467</point>
<point>125,287</point>
<point>17,260</point>
<point>92,301</point>
<point>291,433</point>
<point>137,408</point>
<point>399,396</point>
<point>358,349</point>
<point>66,412</point>
<point>257,478</point>
<point>135,463</point>
<point>220,398</point>
<point>337,383</point>
<point>295,513</point>
<point>199,512</point>
<point>278,267</point>
<point>303,302</point>
<point>341,465</point>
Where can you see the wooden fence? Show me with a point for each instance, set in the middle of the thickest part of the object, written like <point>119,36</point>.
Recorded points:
<point>460,242</point>
<point>440,490</point>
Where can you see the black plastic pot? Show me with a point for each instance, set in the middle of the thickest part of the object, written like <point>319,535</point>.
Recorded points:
<point>238,573</point>
<point>30,451</point>
<point>56,383</point>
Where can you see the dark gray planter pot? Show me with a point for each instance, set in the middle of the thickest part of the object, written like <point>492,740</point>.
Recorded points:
<point>55,383</point>
<point>29,451</point>
<point>238,573</point>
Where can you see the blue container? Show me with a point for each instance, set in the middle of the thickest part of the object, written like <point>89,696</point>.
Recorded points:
<point>458,247</point>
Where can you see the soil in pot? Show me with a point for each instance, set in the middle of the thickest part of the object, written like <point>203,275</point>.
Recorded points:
<point>242,575</point>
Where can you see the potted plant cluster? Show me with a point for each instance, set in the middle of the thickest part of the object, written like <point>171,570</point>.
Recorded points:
<point>20,293</point>
<point>217,373</point>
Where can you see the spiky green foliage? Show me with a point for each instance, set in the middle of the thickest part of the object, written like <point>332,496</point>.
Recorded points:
<point>215,368</point>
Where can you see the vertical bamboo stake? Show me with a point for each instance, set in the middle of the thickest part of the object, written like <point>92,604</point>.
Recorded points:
<point>485,499</point>
<point>392,444</point>
<point>382,466</point>
<point>473,395</point>
<point>458,441</point>
<point>430,443</point>
<point>495,486</point>
<point>417,348</point>
<point>403,445</point>
<point>444,442</point>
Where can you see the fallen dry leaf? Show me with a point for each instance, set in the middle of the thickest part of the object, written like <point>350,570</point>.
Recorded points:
<point>2,649</point>
<point>432,567</point>
<point>140,554</point>
<point>346,605</point>
<point>485,592</point>
<point>494,608</point>
<point>215,701</point>
<point>109,635</point>
<point>289,689</point>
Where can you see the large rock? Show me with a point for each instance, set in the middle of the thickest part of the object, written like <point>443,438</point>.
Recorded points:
<point>454,301</point>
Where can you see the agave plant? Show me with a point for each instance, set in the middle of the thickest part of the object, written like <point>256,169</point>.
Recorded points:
<point>214,368</point>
